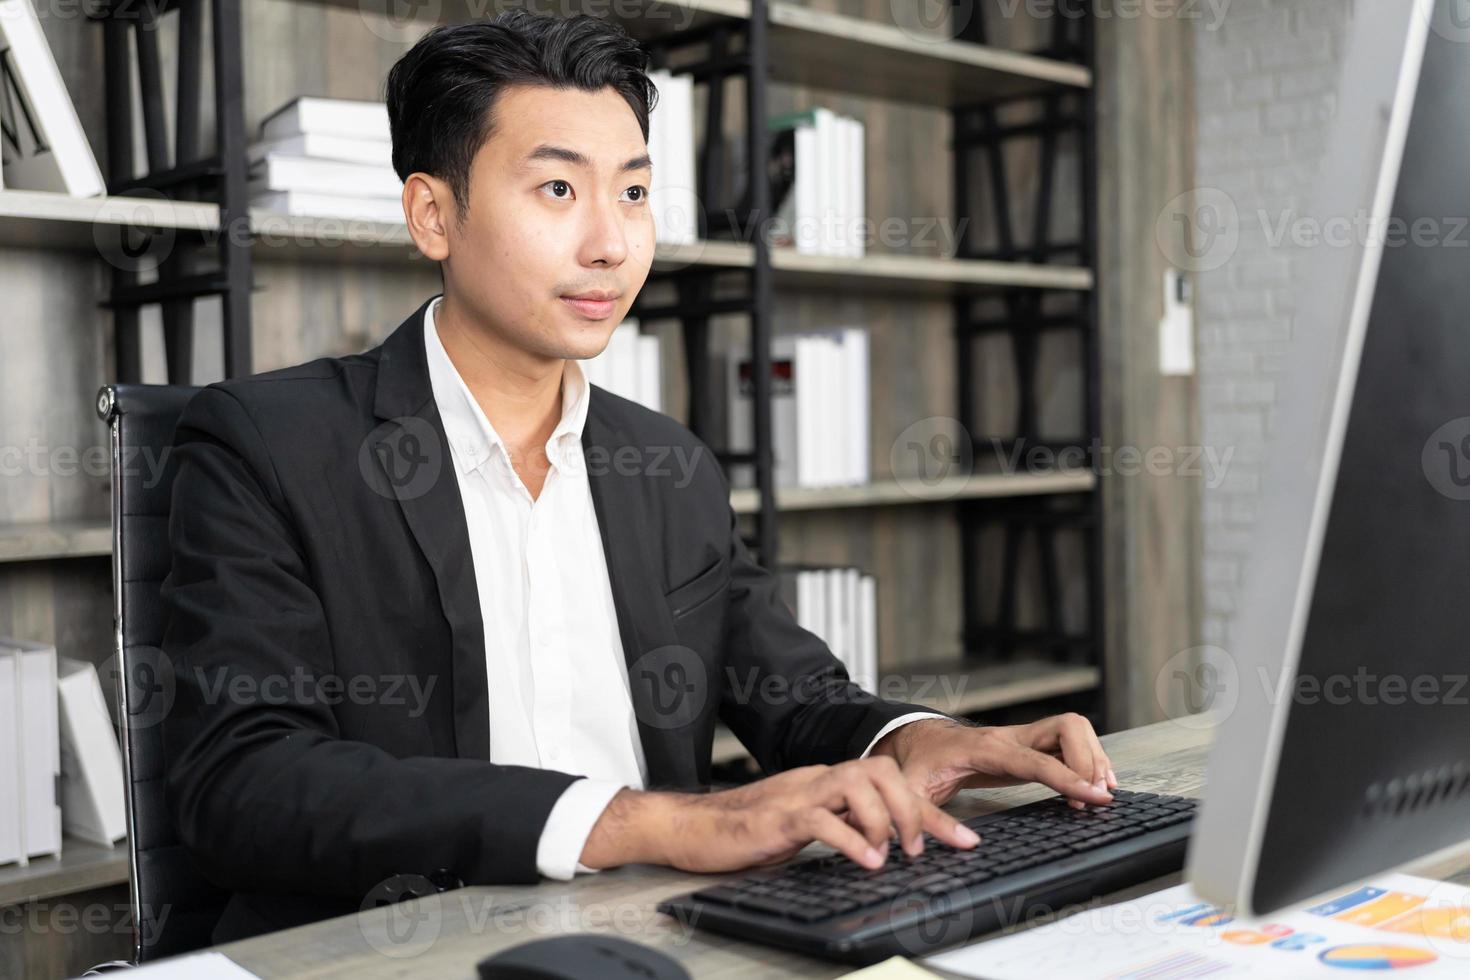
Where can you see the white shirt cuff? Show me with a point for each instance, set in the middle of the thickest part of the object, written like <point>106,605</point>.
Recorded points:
<point>569,824</point>
<point>897,723</point>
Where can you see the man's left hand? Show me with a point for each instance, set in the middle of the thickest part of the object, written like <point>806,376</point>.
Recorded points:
<point>939,757</point>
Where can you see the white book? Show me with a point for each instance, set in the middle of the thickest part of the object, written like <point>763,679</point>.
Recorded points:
<point>40,743</point>
<point>851,626</point>
<point>827,183</point>
<point>685,177</point>
<point>650,381</point>
<point>623,349</point>
<point>831,406</point>
<point>283,172</point>
<point>55,156</point>
<point>837,616</point>
<point>808,383</point>
<point>806,230</point>
<point>93,801</point>
<point>806,603</point>
<point>672,193</point>
<point>317,146</point>
<point>858,409</point>
<point>868,631</point>
<point>740,388</point>
<point>12,787</point>
<point>304,205</point>
<point>842,186</point>
<point>857,186</point>
<point>352,118</point>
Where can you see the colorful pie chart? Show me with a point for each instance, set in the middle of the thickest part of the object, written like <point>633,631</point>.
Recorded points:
<point>1375,957</point>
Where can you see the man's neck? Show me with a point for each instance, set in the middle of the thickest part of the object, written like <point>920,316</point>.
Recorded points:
<point>519,392</point>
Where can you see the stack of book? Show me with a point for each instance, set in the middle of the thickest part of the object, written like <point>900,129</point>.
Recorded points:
<point>672,193</point>
<point>42,144</point>
<point>820,412</point>
<point>841,606</point>
<point>819,182</point>
<point>30,752</point>
<point>60,764</point>
<point>327,158</point>
<point>629,366</point>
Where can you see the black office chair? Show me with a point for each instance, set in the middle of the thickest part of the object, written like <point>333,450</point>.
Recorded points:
<point>175,908</point>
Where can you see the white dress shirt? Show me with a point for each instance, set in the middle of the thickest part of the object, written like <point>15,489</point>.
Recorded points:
<point>555,670</point>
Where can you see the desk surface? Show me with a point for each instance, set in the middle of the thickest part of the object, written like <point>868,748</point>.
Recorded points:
<point>449,933</point>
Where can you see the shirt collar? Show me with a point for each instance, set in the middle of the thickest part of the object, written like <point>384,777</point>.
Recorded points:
<point>472,439</point>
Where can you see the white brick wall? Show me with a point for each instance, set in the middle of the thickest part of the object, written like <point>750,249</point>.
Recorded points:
<point>1266,81</point>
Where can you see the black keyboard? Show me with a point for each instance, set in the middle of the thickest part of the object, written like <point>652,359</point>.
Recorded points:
<point>1031,859</point>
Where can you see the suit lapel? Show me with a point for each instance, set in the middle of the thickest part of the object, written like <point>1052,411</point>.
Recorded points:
<point>618,494</point>
<point>413,451</point>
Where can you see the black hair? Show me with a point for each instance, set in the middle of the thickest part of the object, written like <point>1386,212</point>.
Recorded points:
<point>441,93</point>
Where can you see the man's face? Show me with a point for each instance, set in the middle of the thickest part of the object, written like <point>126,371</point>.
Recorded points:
<point>555,211</point>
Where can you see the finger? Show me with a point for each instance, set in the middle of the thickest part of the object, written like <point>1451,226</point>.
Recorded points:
<point>852,788</point>
<point>1077,748</point>
<point>946,828</point>
<point>903,804</point>
<point>820,824</point>
<point>1041,768</point>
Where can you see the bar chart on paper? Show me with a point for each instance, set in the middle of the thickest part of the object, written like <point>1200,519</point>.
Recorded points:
<point>1397,923</point>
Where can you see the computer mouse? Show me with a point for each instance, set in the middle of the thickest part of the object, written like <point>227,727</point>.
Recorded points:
<point>580,956</point>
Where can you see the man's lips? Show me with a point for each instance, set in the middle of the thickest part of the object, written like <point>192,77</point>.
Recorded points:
<point>597,309</point>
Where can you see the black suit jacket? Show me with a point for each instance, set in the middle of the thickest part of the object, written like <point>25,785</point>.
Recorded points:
<point>329,728</point>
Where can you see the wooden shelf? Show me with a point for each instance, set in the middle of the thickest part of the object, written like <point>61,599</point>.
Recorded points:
<point>64,539</point>
<point>82,866</point>
<point>892,493</point>
<point>46,219</point>
<point>32,219</point>
<point>814,47</point>
<point>817,48</point>
<point>958,691</point>
<point>897,272</point>
<point>89,538</point>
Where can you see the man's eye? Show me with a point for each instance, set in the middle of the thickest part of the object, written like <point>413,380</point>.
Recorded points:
<point>639,192</point>
<point>557,186</point>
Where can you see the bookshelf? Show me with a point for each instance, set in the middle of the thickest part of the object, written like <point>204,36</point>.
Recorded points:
<point>784,42</point>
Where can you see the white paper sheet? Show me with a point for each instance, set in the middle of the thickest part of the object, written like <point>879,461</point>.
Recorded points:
<point>1398,924</point>
<point>195,966</point>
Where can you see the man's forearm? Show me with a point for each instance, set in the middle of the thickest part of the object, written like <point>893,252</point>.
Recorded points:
<point>634,828</point>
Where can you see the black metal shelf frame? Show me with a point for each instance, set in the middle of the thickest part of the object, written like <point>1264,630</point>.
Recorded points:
<point>184,174</point>
<point>1023,315</point>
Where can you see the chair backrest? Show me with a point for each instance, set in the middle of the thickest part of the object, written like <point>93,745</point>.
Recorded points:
<point>175,908</point>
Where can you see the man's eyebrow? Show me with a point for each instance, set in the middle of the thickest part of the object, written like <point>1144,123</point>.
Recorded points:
<point>547,151</point>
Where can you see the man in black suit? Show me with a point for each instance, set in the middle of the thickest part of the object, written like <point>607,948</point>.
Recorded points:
<point>443,609</point>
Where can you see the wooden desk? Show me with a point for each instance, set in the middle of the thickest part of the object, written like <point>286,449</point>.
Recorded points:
<point>455,930</point>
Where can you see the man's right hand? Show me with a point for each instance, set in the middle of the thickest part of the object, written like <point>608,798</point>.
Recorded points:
<point>853,806</point>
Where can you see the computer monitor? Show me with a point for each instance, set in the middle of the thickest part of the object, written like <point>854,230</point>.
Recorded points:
<point>1344,748</point>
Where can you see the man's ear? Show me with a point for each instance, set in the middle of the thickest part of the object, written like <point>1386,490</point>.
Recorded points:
<point>428,207</point>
